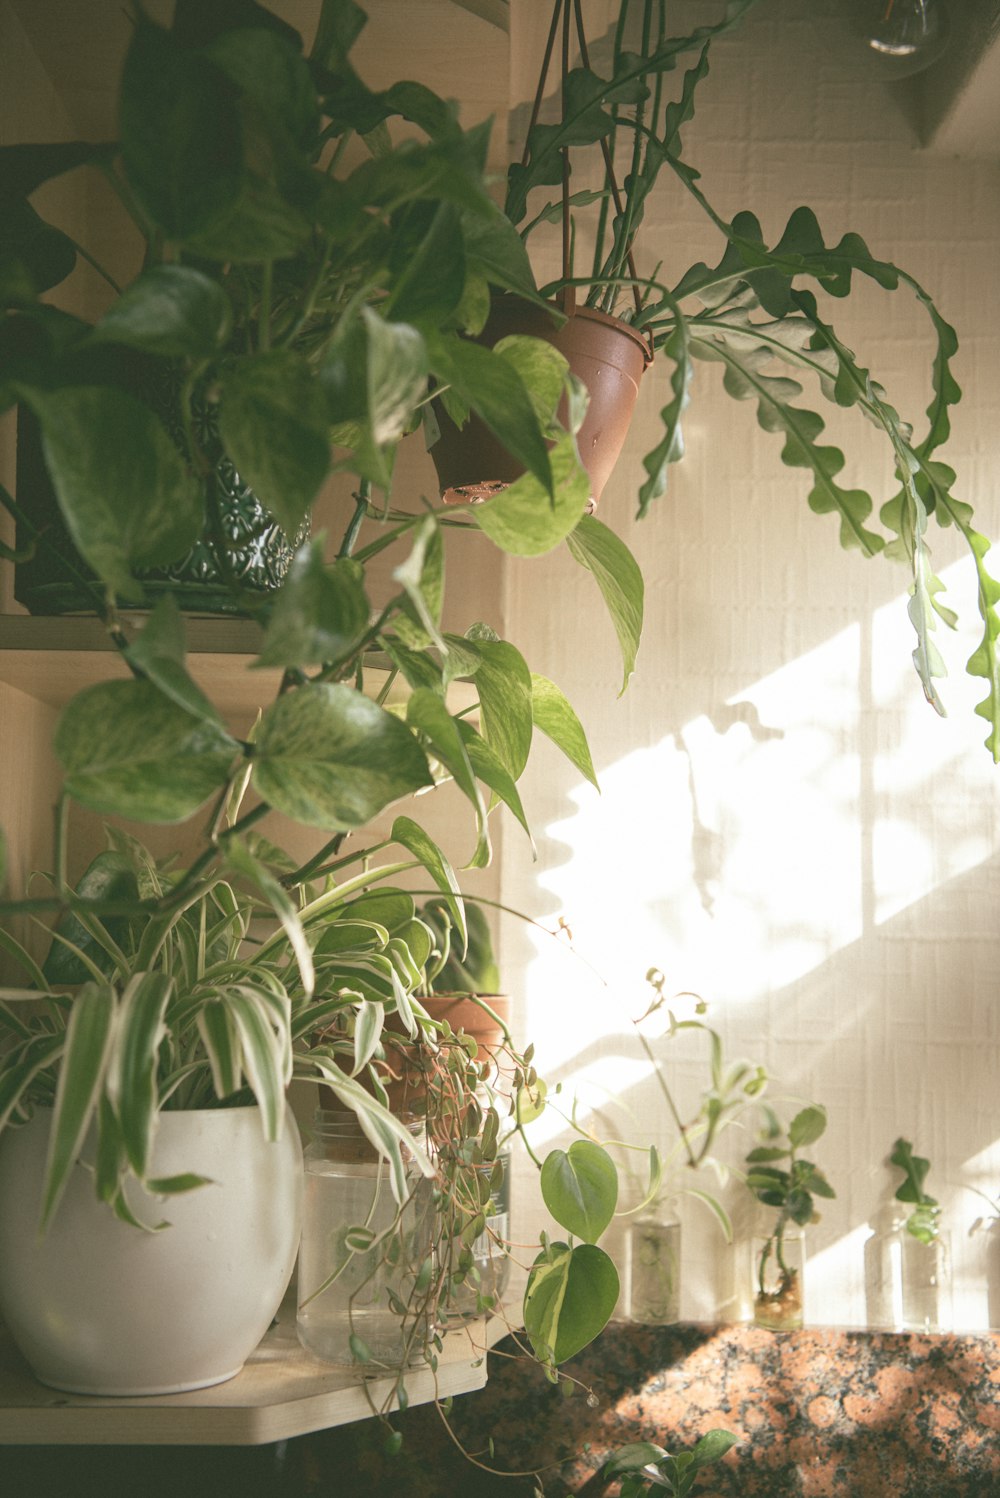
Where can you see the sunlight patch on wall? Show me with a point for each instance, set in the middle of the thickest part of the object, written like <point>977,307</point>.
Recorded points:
<point>916,749</point>
<point>732,851</point>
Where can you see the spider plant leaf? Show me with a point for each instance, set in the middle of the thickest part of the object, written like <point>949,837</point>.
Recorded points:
<point>131,1080</point>
<point>88,1041</point>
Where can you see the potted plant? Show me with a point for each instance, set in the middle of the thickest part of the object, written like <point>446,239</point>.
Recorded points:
<point>151,1180</point>
<point>787,1190</point>
<point>761,313</point>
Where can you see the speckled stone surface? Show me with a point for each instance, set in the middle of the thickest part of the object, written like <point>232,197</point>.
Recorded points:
<point>822,1414</point>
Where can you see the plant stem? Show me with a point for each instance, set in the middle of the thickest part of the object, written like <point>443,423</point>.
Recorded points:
<point>360,511</point>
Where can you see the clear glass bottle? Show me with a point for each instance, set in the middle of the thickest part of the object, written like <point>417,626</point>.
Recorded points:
<point>778,1278</point>
<point>990,1233</point>
<point>361,1252</point>
<point>907,1282</point>
<point>653,1267</point>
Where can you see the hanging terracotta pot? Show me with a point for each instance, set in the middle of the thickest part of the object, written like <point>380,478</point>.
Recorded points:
<point>608,355</point>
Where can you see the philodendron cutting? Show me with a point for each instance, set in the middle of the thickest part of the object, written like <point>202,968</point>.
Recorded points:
<point>789,1188</point>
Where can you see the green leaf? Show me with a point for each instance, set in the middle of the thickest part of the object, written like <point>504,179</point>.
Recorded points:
<point>488,384</point>
<point>327,756</point>
<point>631,1458</point>
<point>409,835</point>
<point>712,1447</point>
<point>128,750</point>
<point>396,370</point>
<point>171,310</point>
<point>240,858</point>
<point>81,1074</point>
<point>172,101</point>
<point>320,614</point>
<point>266,1051</point>
<point>569,1300</point>
<point>128,500</point>
<point>110,876</point>
<point>617,575</point>
<point>552,713</point>
<point>503,682</point>
<point>33,255</point>
<point>580,1188</point>
<point>221,1039</point>
<point>492,772</point>
<point>178,1184</point>
<point>495,250</point>
<point>131,1080</point>
<point>670,448</point>
<point>427,262</point>
<point>542,369</point>
<point>270,70</point>
<point>273,423</point>
<point>422,579</point>
<point>426,712</point>
<point>523,521</point>
<point>806,1127</point>
<point>158,652</point>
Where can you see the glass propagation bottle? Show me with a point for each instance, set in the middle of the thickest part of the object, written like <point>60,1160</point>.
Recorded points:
<point>361,1253</point>
<point>653,1267</point>
<point>907,1281</point>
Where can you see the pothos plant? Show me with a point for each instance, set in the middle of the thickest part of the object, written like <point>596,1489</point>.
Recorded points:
<point>761,313</point>
<point>781,1179</point>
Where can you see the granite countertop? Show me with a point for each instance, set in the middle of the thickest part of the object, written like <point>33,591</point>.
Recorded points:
<point>819,1413</point>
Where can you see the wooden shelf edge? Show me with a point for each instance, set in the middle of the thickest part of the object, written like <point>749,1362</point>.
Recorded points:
<point>282,1392</point>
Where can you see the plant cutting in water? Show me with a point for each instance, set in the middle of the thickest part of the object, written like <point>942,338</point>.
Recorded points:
<point>790,1189</point>
<point>924,1222</point>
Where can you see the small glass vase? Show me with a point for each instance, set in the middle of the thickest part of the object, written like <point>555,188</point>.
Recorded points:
<point>361,1254</point>
<point>777,1261</point>
<point>907,1282</point>
<point>653,1267</point>
<point>990,1233</point>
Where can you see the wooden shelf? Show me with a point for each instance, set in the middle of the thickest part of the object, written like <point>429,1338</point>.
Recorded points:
<point>282,1392</point>
<point>51,659</point>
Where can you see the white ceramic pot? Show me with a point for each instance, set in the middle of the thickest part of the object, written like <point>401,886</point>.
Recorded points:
<point>98,1307</point>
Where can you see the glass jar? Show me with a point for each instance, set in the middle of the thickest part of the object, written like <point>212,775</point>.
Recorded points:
<point>481,1289</point>
<point>991,1267</point>
<point>907,1282</point>
<point>778,1283</point>
<point>361,1252</point>
<point>653,1267</point>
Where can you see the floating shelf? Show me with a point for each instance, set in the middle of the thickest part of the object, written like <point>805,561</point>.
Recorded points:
<point>282,1392</point>
<point>51,659</point>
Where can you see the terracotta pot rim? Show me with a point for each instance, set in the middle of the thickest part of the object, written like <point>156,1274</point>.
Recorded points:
<point>592,314</point>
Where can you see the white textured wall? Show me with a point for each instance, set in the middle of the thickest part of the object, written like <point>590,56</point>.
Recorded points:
<point>785,826</point>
